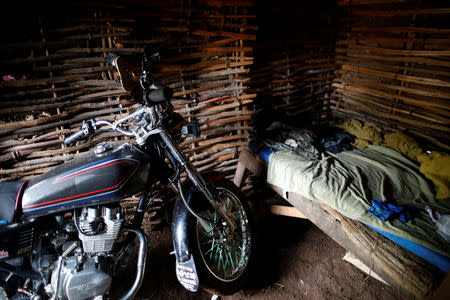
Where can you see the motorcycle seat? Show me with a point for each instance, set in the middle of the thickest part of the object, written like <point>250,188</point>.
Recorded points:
<point>10,194</point>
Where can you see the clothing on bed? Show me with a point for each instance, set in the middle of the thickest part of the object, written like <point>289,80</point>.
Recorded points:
<point>281,136</point>
<point>388,211</point>
<point>436,167</point>
<point>366,134</point>
<point>335,140</point>
<point>305,143</point>
<point>403,144</point>
<point>349,180</point>
<point>442,223</point>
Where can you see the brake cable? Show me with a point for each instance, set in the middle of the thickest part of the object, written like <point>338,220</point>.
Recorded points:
<point>203,221</point>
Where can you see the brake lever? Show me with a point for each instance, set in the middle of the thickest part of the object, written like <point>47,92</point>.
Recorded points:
<point>115,126</point>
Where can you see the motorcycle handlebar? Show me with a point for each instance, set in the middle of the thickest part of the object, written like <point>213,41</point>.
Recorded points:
<point>74,137</point>
<point>87,128</point>
<point>90,127</point>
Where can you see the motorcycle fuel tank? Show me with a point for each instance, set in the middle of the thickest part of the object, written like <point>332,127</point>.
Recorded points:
<point>94,179</point>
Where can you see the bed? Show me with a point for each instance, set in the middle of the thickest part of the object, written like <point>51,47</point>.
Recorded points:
<point>334,193</point>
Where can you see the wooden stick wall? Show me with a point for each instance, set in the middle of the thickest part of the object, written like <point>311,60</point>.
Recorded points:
<point>57,79</point>
<point>395,66</point>
<point>54,77</point>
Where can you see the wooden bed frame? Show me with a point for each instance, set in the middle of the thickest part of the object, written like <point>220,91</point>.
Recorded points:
<point>332,223</point>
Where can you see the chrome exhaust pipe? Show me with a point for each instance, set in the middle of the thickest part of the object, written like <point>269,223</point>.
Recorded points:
<point>142,256</point>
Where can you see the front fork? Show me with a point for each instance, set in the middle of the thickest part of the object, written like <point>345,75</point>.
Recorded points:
<point>198,181</point>
<point>183,221</point>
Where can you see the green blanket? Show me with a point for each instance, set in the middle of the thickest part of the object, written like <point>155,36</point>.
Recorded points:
<point>348,181</point>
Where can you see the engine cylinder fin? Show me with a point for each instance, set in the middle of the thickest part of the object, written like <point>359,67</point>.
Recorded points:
<point>103,241</point>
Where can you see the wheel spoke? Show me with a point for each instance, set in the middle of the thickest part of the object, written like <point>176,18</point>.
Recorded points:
<point>211,249</point>
<point>231,259</point>
<point>206,234</point>
<point>237,252</point>
<point>226,260</point>
<point>220,258</point>
<point>217,255</point>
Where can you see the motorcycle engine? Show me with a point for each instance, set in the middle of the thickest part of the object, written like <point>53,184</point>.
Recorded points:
<point>99,228</point>
<point>86,273</point>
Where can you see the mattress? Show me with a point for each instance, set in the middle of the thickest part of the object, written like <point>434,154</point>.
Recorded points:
<point>340,180</point>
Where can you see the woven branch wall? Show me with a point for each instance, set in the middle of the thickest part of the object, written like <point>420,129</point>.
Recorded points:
<point>54,76</point>
<point>367,59</point>
<point>395,66</point>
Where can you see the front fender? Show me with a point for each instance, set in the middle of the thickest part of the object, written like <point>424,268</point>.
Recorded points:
<point>182,225</point>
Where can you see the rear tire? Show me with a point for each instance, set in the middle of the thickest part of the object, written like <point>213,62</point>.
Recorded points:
<point>223,261</point>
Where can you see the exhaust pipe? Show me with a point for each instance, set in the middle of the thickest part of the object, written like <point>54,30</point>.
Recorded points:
<point>140,264</point>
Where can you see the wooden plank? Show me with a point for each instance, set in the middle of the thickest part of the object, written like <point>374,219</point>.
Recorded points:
<point>238,178</point>
<point>253,163</point>
<point>351,258</point>
<point>333,229</point>
<point>287,211</point>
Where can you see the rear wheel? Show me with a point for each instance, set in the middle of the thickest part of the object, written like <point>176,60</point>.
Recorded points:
<point>222,255</point>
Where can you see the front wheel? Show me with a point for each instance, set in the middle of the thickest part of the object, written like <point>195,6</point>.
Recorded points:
<point>222,255</point>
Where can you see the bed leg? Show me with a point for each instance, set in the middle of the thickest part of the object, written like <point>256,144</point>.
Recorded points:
<point>250,162</point>
<point>239,175</point>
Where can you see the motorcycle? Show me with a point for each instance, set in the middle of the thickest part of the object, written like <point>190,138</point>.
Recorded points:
<point>63,235</point>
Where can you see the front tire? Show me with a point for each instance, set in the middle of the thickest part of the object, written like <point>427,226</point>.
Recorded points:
<point>222,255</point>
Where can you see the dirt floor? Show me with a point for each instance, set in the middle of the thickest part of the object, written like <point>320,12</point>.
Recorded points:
<point>295,260</point>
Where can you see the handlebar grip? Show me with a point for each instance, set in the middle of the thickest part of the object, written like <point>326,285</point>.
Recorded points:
<point>159,95</point>
<point>74,137</point>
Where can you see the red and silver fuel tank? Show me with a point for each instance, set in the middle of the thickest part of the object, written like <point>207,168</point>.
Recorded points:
<point>105,175</point>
